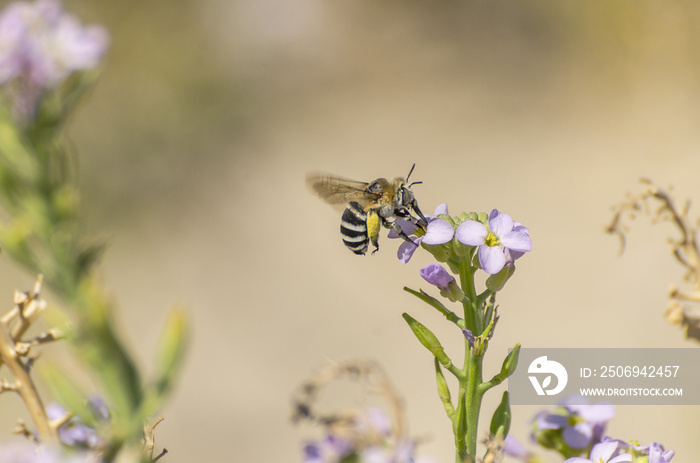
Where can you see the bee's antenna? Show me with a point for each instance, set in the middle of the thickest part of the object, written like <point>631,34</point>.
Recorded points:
<point>411,171</point>
<point>414,183</point>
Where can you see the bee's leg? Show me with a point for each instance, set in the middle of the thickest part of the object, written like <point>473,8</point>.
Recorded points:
<point>374,223</point>
<point>423,222</point>
<point>397,229</point>
<point>406,214</point>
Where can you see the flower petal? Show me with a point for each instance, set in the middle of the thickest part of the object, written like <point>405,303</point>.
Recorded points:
<point>517,226</point>
<point>594,413</point>
<point>471,233</point>
<point>516,241</point>
<point>470,338</point>
<point>624,458</point>
<point>406,226</point>
<point>603,451</point>
<point>491,259</point>
<point>551,421</point>
<point>439,231</point>
<point>407,249</point>
<point>578,436</point>
<point>441,210</point>
<point>500,223</point>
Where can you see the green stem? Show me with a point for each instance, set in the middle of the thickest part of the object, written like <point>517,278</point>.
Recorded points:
<point>471,313</point>
<point>472,378</point>
<point>473,401</point>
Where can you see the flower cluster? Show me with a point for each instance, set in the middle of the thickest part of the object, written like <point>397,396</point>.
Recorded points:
<point>616,451</point>
<point>499,239</point>
<point>41,45</point>
<point>492,243</point>
<point>368,440</point>
<point>576,431</point>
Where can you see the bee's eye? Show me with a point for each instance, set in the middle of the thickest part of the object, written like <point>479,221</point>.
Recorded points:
<point>406,196</point>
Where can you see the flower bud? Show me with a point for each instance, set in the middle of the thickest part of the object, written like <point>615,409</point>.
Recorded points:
<point>511,361</point>
<point>461,249</point>
<point>428,339</point>
<point>454,292</point>
<point>500,422</point>
<point>443,389</point>
<point>441,252</point>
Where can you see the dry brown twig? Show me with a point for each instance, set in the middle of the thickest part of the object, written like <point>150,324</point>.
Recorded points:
<point>681,309</point>
<point>370,372</point>
<point>149,433</point>
<point>28,306</point>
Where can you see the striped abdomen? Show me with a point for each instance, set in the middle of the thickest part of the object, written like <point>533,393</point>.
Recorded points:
<point>353,228</point>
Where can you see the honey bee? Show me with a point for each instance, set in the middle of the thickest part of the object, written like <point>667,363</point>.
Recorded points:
<point>369,205</point>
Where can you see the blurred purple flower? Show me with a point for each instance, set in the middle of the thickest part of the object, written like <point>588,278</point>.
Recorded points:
<point>401,452</point>
<point>41,45</point>
<point>27,452</point>
<point>513,447</point>
<point>603,453</point>
<point>74,433</point>
<point>331,449</point>
<point>580,424</point>
<point>373,421</point>
<point>368,442</point>
<point>656,452</point>
<point>504,240</point>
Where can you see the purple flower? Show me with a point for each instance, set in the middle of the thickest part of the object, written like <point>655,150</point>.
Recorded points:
<point>74,433</point>
<point>435,274</point>
<point>373,422</point>
<point>401,452</point>
<point>503,241</point>
<point>332,449</point>
<point>438,231</point>
<point>580,424</point>
<point>656,452</point>
<point>603,453</point>
<point>41,45</point>
<point>513,448</point>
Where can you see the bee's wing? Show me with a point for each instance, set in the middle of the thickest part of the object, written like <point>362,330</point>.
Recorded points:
<point>338,190</point>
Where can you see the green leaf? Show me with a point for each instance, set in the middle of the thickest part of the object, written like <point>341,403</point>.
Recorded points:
<point>171,350</point>
<point>423,296</point>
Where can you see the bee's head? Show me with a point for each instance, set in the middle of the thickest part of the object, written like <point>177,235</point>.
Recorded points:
<point>405,194</point>
<point>406,197</point>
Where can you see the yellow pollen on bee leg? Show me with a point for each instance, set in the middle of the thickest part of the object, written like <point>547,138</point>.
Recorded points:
<point>374,224</point>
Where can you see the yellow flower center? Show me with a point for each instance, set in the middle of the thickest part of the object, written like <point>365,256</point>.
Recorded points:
<point>491,240</point>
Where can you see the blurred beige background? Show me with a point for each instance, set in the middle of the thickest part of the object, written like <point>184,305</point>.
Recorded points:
<point>196,141</point>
